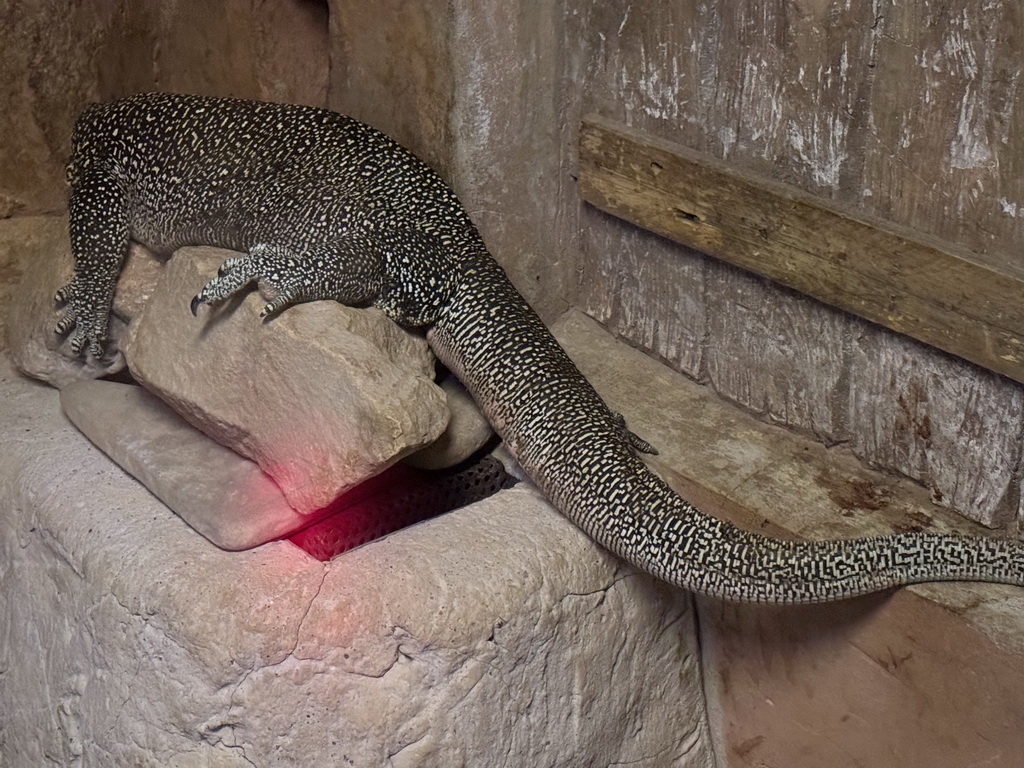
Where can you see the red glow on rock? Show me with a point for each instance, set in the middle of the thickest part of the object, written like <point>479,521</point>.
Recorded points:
<point>379,506</point>
<point>398,498</point>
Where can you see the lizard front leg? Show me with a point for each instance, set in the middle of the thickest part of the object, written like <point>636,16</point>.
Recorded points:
<point>99,241</point>
<point>347,274</point>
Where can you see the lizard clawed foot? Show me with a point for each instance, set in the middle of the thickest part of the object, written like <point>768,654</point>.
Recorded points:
<point>274,266</point>
<point>83,318</point>
<point>634,441</point>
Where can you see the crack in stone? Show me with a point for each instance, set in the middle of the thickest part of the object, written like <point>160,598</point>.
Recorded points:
<point>309,606</point>
<point>53,543</point>
<point>602,591</point>
<point>128,696</point>
<point>656,758</point>
<point>241,750</point>
<point>211,733</point>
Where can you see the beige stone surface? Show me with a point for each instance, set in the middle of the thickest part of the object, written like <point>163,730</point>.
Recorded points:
<point>497,635</point>
<point>225,497</point>
<point>473,88</point>
<point>24,241</point>
<point>467,431</point>
<point>321,396</point>
<point>57,57</point>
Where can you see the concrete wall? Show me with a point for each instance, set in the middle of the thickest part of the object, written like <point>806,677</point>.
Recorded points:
<point>57,57</point>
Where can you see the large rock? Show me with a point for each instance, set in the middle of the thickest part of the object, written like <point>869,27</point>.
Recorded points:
<point>321,396</point>
<point>496,635</point>
<point>35,257</point>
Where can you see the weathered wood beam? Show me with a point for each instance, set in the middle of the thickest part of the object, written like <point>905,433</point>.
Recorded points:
<point>874,269</point>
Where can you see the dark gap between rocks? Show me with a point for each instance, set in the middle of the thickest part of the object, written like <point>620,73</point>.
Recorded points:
<point>397,498</point>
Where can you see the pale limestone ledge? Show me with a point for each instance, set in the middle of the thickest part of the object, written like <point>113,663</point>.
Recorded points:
<point>494,635</point>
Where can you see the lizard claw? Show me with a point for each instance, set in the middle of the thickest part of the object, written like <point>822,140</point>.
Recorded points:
<point>273,265</point>
<point>634,441</point>
<point>232,276</point>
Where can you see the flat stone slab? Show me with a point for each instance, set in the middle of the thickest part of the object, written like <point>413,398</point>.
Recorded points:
<point>497,634</point>
<point>225,497</point>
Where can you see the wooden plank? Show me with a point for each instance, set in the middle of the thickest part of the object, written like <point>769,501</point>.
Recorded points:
<point>644,289</point>
<point>781,357</point>
<point>930,291</point>
<point>945,153</point>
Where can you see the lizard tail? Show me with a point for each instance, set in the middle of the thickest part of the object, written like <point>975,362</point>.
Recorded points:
<point>580,454</point>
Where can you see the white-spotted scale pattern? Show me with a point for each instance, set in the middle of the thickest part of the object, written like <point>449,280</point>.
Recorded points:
<point>326,207</point>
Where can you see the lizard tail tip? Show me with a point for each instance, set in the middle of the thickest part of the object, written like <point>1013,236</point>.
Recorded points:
<point>194,306</point>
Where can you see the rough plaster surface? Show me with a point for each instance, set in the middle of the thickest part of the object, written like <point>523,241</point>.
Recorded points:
<point>321,396</point>
<point>496,635</point>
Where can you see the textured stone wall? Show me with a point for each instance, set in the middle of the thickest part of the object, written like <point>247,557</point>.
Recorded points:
<point>56,57</point>
<point>473,88</point>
